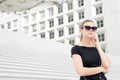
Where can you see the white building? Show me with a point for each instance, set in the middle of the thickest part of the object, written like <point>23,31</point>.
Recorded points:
<point>61,22</point>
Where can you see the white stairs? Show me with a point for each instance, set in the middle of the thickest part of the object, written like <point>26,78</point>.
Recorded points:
<point>29,58</point>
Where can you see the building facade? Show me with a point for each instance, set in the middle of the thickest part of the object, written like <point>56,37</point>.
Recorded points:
<point>60,22</point>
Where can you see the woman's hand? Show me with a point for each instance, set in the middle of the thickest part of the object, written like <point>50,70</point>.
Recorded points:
<point>103,69</point>
<point>95,40</point>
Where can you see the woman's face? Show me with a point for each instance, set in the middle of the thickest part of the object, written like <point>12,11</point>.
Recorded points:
<point>89,29</point>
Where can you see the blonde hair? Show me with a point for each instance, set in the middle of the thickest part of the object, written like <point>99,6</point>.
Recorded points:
<point>81,26</point>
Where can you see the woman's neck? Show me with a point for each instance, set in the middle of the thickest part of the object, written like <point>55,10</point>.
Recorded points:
<point>86,42</point>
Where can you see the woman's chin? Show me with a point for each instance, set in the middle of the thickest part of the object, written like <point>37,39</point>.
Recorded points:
<point>91,36</point>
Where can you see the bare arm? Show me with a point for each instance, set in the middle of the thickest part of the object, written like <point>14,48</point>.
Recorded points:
<point>85,71</point>
<point>104,58</point>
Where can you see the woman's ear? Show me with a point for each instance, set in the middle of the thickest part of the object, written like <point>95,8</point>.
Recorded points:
<point>81,30</point>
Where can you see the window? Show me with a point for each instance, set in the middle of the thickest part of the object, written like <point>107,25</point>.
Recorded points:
<point>34,28</point>
<point>42,25</point>
<point>60,20</point>
<point>100,23</point>
<point>80,3</point>
<point>72,42</point>
<point>34,35</point>
<point>81,15</point>
<point>51,23</point>
<point>51,35</point>
<point>26,29</point>
<point>70,18</point>
<point>9,25</point>
<point>51,12</point>
<point>61,32</point>
<point>42,1</point>
<point>2,26</point>
<point>60,9</point>
<point>101,37</point>
<point>62,41</point>
<point>15,30</point>
<point>25,12</point>
<point>42,35</point>
<point>26,19</point>
<point>34,17</point>
<point>42,14</point>
<point>15,23</point>
<point>99,10</point>
<point>70,6</point>
<point>97,0</point>
<point>104,49</point>
<point>71,30</point>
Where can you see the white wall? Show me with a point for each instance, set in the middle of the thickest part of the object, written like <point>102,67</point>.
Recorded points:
<point>112,25</point>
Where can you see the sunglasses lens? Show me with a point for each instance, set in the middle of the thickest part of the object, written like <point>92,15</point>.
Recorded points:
<point>94,28</point>
<point>88,28</point>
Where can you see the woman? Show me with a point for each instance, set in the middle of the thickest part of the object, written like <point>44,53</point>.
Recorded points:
<point>90,62</point>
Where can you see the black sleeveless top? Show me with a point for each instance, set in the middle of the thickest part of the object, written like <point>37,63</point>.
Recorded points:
<point>90,58</point>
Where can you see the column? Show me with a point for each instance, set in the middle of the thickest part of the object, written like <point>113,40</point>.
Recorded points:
<point>112,25</point>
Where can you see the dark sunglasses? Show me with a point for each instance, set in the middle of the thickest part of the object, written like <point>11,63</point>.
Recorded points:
<point>94,28</point>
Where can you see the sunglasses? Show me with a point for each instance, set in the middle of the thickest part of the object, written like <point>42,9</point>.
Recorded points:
<point>94,28</point>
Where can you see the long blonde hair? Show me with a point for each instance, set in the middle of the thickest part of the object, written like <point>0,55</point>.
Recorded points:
<point>81,26</point>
